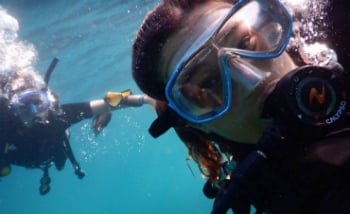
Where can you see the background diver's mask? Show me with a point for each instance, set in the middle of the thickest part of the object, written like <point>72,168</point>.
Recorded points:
<point>199,89</point>
<point>30,106</point>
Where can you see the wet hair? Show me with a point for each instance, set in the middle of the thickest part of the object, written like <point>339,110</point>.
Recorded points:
<point>201,150</point>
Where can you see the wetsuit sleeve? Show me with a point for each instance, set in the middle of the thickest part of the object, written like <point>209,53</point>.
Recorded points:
<point>76,112</point>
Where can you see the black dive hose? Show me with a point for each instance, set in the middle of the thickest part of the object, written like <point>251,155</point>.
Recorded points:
<point>234,195</point>
<point>255,182</point>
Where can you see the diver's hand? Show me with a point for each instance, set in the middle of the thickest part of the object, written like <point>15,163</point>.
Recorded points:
<point>100,121</point>
<point>80,173</point>
<point>274,144</point>
<point>253,183</point>
<point>230,197</point>
<point>237,193</point>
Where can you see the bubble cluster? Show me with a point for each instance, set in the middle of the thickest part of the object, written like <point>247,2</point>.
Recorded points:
<point>14,53</point>
<point>309,30</point>
<point>18,58</point>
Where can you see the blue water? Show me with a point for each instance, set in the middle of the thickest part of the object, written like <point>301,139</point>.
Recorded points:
<point>127,170</point>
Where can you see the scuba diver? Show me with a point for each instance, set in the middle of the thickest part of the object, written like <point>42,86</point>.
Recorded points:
<point>34,129</point>
<point>267,124</point>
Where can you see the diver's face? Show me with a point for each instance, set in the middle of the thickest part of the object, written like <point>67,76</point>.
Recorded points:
<point>31,106</point>
<point>29,118</point>
<point>241,122</point>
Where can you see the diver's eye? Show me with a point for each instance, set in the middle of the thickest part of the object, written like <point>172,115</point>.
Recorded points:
<point>247,43</point>
<point>244,43</point>
<point>186,78</point>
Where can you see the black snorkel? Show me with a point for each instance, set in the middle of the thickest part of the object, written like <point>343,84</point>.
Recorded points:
<point>69,152</point>
<point>49,70</point>
<point>166,120</point>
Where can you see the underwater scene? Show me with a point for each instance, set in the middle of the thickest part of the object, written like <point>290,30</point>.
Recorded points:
<point>127,171</point>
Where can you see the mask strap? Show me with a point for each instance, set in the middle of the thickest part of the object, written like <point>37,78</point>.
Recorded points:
<point>166,120</point>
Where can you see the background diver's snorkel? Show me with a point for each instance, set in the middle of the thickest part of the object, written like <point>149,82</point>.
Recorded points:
<point>49,70</point>
<point>45,180</point>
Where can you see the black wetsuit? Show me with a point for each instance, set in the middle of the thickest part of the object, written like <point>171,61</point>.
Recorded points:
<point>40,144</point>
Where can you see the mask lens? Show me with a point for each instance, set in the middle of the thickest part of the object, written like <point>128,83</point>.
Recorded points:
<point>257,30</point>
<point>199,89</point>
<point>32,102</point>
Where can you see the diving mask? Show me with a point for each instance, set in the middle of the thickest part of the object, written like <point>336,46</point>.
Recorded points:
<point>200,87</point>
<point>30,104</point>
